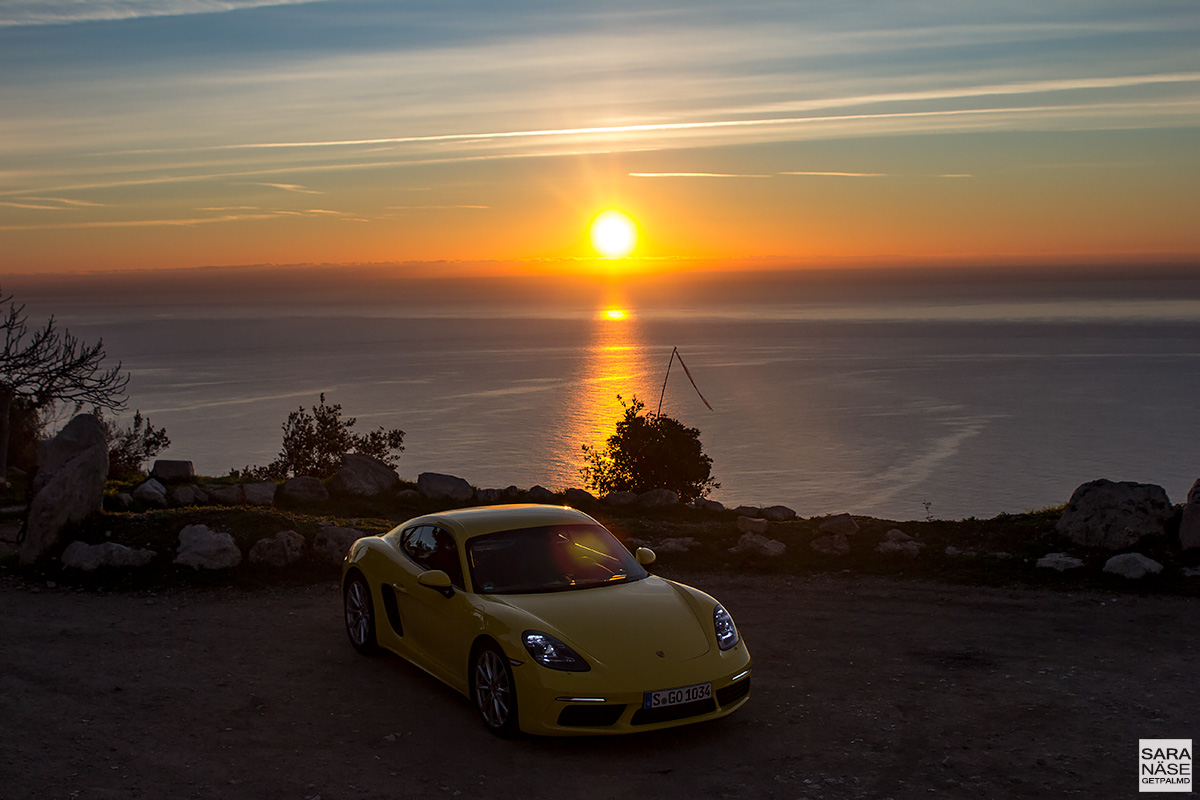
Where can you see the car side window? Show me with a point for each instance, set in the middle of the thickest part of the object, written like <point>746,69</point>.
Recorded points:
<point>433,548</point>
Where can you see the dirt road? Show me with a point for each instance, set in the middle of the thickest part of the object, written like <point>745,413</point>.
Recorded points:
<point>862,688</point>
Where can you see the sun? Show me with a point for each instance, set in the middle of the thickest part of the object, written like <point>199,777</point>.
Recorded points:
<point>614,234</point>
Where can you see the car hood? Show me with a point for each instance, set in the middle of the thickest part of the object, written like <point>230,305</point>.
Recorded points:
<point>619,625</point>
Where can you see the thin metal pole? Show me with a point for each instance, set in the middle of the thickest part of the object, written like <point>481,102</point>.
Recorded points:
<point>663,393</point>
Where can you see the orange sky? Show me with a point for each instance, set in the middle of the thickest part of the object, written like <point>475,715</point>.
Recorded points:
<point>163,139</point>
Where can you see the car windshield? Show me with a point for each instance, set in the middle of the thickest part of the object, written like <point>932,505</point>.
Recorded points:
<point>551,558</point>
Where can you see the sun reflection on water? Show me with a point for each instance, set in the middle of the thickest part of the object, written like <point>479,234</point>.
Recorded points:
<point>616,364</point>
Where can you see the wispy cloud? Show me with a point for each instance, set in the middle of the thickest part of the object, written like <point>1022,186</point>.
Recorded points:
<point>840,174</point>
<point>48,204</point>
<point>290,187</point>
<point>59,12</point>
<point>982,91</point>
<point>434,207</point>
<point>693,175</point>
<point>139,223</point>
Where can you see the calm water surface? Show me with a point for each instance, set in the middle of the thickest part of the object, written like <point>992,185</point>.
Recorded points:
<point>973,405</point>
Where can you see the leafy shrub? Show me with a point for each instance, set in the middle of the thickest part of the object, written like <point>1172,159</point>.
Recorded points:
<point>130,448</point>
<point>313,444</point>
<point>649,451</point>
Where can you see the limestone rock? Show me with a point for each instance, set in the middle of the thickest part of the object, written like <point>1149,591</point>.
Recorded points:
<point>225,495</point>
<point>831,545</point>
<point>540,494</point>
<point>260,494</point>
<point>840,525</point>
<point>1132,565</point>
<point>711,506</point>
<point>658,498</point>
<point>280,550</point>
<point>152,493</point>
<point>488,497</point>
<point>69,484</point>
<point>748,511</point>
<point>125,500</point>
<point>332,543</point>
<point>363,476</point>
<point>82,433</point>
<point>752,525</point>
<point>835,544</point>
<point>437,486</point>
<point>409,496</point>
<point>620,498</point>
<point>89,558</point>
<point>188,495</point>
<point>897,535</point>
<point>1115,516</point>
<point>579,498</point>
<point>1189,527</point>
<point>303,489</point>
<point>759,545</point>
<point>200,547</point>
<point>910,548</point>
<point>778,513</point>
<point>679,544</point>
<point>1059,561</point>
<point>169,471</point>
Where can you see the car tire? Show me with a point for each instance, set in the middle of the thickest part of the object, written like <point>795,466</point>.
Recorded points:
<point>494,691</point>
<point>360,614</point>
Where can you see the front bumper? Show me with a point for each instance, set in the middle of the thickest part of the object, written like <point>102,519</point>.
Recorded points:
<point>569,704</point>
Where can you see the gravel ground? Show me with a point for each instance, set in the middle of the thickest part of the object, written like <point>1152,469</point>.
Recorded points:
<point>871,688</point>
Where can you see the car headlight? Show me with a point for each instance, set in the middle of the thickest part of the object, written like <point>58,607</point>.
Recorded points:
<point>727,635</point>
<point>550,652</point>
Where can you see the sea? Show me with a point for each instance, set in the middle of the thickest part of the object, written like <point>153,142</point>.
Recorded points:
<point>898,393</point>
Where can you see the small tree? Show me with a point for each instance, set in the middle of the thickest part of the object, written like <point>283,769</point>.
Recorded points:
<point>313,444</point>
<point>650,451</point>
<point>48,365</point>
<point>130,448</point>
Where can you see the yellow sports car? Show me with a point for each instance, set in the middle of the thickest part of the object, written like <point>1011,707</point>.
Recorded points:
<point>543,619</point>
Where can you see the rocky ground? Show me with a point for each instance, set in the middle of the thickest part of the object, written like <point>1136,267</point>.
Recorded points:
<point>864,687</point>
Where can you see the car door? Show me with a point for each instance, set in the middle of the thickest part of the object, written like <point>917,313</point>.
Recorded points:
<point>440,624</point>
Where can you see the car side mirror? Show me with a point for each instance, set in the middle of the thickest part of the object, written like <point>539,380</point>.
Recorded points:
<point>645,556</point>
<point>436,579</point>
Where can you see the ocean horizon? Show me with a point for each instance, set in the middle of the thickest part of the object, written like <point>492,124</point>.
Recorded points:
<point>887,393</point>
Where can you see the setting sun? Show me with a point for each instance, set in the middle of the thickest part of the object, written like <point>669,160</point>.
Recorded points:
<point>614,234</point>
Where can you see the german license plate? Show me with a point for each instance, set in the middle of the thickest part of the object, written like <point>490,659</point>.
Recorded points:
<point>675,697</point>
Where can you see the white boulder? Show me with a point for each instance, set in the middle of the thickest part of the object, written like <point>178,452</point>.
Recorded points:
<point>332,542</point>
<point>200,547</point>
<point>835,544</point>
<point>778,513</point>
<point>69,485</point>
<point>89,558</point>
<point>621,498</point>
<point>759,545</point>
<point>1115,515</point>
<point>280,550</point>
<point>437,486</point>
<point>840,525</point>
<point>658,498</point>
<point>363,476</point>
<point>752,525</point>
<point>1059,561</point>
<point>260,494</point>
<point>1132,565</point>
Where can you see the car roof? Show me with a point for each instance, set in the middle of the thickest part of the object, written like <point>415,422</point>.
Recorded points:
<point>465,523</point>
